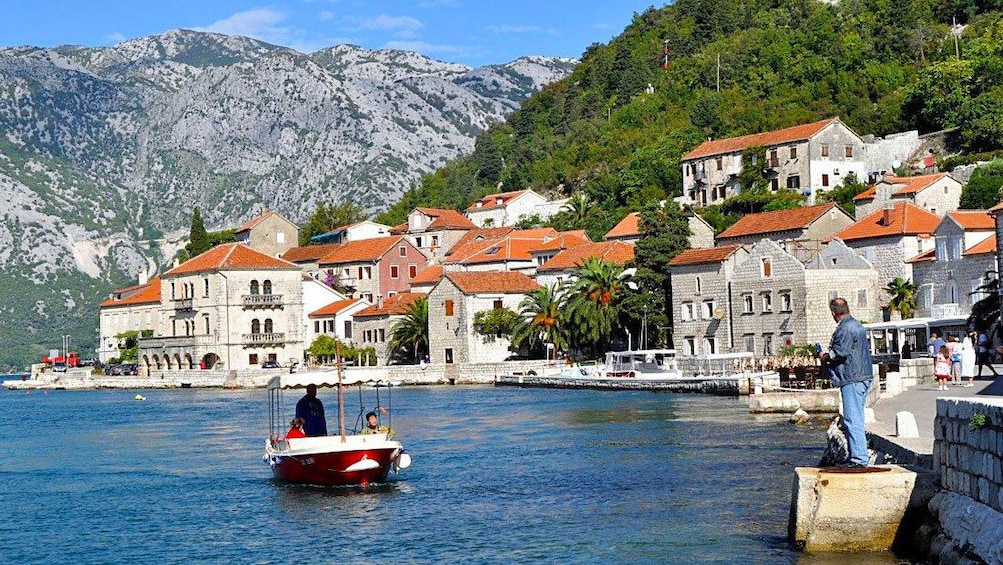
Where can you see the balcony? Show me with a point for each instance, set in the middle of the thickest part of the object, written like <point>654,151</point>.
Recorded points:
<point>182,304</point>
<point>168,342</point>
<point>262,300</point>
<point>950,310</point>
<point>263,339</point>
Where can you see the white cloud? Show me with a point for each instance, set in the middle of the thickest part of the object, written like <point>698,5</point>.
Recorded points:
<point>115,37</point>
<point>325,15</point>
<point>423,47</point>
<point>259,23</point>
<point>398,24</point>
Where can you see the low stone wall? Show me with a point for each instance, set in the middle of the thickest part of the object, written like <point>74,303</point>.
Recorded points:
<point>968,459</point>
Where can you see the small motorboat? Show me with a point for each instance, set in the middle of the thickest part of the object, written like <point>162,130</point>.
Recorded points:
<point>343,459</point>
<point>652,364</point>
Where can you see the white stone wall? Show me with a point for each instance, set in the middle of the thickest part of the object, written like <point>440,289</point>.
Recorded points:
<point>934,281</point>
<point>701,233</point>
<point>713,286</point>
<point>941,197</point>
<point>457,331</point>
<point>889,254</point>
<point>882,153</point>
<point>115,320</point>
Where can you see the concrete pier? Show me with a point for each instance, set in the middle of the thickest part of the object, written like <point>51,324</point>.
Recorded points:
<point>837,510</point>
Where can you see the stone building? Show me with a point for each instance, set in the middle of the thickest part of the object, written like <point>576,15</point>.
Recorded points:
<point>938,193</point>
<point>270,233</point>
<point>231,307</point>
<point>452,305</point>
<point>506,251</point>
<point>133,308</point>
<point>949,276</point>
<point>889,237</point>
<point>628,230</point>
<point>334,320</point>
<point>508,208</point>
<point>373,269</point>
<point>435,231</point>
<point>366,229</point>
<point>800,231</point>
<point>372,326</point>
<point>560,268</point>
<point>808,158</point>
<point>701,298</point>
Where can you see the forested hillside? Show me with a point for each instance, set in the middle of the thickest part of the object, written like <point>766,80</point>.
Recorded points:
<point>734,67</point>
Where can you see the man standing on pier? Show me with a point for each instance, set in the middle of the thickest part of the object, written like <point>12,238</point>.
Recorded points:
<point>849,361</point>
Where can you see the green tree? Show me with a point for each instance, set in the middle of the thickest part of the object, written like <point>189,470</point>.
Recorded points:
<point>487,158</point>
<point>497,322</point>
<point>543,319</point>
<point>985,188</point>
<point>903,296</point>
<point>198,238</point>
<point>986,310</point>
<point>323,348</point>
<point>595,300</point>
<point>665,233</point>
<point>409,335</point>
<point>329,216</point>
<point>843,195</point>
<point>129,348</point>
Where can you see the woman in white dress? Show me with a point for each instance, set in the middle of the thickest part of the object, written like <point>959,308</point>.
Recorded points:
<point>968,359</point>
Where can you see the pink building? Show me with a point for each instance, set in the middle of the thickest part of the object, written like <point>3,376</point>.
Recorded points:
<point>374,269</point>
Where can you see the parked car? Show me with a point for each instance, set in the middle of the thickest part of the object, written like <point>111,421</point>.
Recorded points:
<point>130,368</point>
<point>271,365</point>
<point>113,370</point>
<point>87,362</point>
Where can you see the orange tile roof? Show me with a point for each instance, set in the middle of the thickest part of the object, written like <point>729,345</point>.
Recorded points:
<point>564,240</point>
<point>480,234</point>
<point>309,253</point>
<point>906,219</point>
<point>911,185</point>
<point>986,246</point>
<point>431,275</point>
<point>333,308</point>
<point>506,282</point>
<point>148,293</point>
<point>451,220</point>
<point>995,208</point>
<point>923,257</point>
<point>490,200</point>
<point>396,305</point>
<point>700,255</point>
<point>629,226</point>
<point>515,246</point>
<point>617,252</point>
<point>973,220</point>
<point>776,221</point>
<point>231,256</point>
<point>362,250</point>
<point>250,224</point>
<point>767,139</point>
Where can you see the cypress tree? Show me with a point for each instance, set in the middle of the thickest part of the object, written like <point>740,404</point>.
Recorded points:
<point>198,238</point>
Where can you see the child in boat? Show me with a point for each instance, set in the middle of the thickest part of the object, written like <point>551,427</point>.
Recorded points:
<point>373,425</point>
<point>295,428</point>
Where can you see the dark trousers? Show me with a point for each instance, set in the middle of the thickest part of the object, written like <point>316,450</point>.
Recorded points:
<point>985,359</point>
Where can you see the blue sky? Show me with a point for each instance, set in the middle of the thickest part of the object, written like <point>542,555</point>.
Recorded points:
<point>473,32</point>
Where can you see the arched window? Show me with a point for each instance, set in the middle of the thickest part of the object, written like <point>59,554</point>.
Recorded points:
<point>254,287</point>
<point>266,287</point>
<point>268,325</point>
<point>255,326</point>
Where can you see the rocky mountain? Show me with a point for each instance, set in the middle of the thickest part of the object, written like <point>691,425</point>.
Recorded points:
<point>105,151</point>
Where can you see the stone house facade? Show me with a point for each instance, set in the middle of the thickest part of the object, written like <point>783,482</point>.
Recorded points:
<point>800,231</point>
<point>435,231</point>
<point>374,269</point>
<point>890,237</point>
<point>133,308</point>
<point>508,208</point>
<point>808,158</point>
<point>938,193</point>
<point>270,233</point>
<point>372,326</point>
<point>229,308</point>
<point>703,312</point>
<point>948,277</point>
<point>455,300</point>
<point>334,320</point>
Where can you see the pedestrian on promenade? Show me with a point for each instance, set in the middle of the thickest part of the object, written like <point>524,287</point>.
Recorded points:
<point>968,359</point>
<point>849,363</point>
<point>954,349</point>
<point>942,367</point>
<point>985,354</point>
<point>933,344</point>
<point>311,409</point>
<point>906,350</point>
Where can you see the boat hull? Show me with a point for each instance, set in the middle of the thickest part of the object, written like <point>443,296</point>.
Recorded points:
<point>341,468</point>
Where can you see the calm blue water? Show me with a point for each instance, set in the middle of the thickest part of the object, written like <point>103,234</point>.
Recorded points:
<point>499,476</point>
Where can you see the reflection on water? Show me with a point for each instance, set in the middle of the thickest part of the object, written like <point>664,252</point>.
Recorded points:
<point>499,476</point>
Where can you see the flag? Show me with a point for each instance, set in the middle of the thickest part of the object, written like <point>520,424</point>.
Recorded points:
<point>665,56</point>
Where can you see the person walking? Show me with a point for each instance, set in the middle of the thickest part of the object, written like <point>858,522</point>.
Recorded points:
<point>968,359</point>
<point>954,349</point>
<point>984,354</point>
<point>942,367</point>
<point>849,363</point>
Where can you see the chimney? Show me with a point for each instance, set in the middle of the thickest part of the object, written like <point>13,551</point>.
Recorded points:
<point>143,277</point>
<point>379,301</point>
<point>886,217</point>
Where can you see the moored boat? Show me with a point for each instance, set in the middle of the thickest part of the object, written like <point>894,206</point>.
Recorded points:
<point>335,460</point>
<point>655,364</point>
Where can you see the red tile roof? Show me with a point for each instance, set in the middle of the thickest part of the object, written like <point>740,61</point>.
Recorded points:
<point>700,255</point>
<point>478,235</point>
<point>506,282</point>
<point>973,220</point>
<point>564,240</point>
<point>148,293</point>
<point>231,256</point>
<point>250,224</point>
<point>515,246</point>
<point>777,221</point>
<point>767,139</point>
<point>616,252</point>
<point>986,246</point>
<point>333,308</point>
<point>491,200</point>
<point>923,257</point>
<point>362,250</point>
<point>446,219</point>
<point>396,305</point>
<point>629,226</point>
<point>309,253</point>
<point>431,275</point>
<point>906,219</point>
<point>910,185</point>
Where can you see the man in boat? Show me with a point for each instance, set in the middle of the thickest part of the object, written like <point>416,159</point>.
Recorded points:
<point>849,362</point>
<point>311,410</point>
<point>373,425</point>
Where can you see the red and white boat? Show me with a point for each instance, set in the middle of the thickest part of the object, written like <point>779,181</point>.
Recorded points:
<point>335,460</point>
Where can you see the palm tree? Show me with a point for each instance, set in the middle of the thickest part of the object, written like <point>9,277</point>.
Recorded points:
<point>597,293</point>
<point>411,331</point>
<point>577,208</point>
<point>543,318</point>
<point>903,296</point>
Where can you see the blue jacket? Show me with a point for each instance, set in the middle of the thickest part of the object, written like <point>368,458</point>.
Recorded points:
<point>849,353</point>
